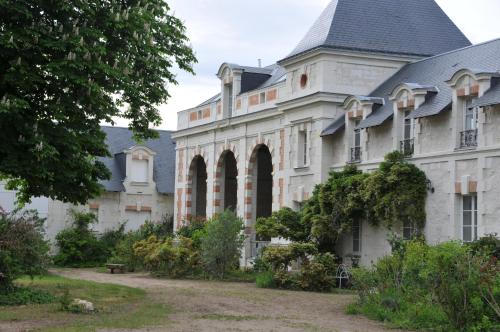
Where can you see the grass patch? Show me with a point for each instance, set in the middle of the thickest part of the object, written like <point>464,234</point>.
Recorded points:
<point>22,296</point>
<point>118,306</point>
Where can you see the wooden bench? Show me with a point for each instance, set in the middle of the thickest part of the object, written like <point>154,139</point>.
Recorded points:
<point>113,267</point>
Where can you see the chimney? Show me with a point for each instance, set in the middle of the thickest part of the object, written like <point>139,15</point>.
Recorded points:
<point>260,62</point>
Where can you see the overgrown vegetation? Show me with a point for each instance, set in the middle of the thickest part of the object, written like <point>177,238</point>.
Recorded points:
<point>79,245</point>
<point>447,287</point>
<point>23,251</point>
<point>393,194</point>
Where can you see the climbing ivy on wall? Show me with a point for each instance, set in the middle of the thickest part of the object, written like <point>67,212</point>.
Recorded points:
<point>394,193</point>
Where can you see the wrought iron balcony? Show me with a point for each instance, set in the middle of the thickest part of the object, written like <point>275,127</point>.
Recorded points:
<point>356,155</point>
<point>407,147</point>
<point>468,138</point>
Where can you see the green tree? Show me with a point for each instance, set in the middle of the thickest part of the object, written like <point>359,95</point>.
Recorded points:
<point>23,250</point>
<point>285,223</point>
<point>68,65</point>
<point>221,244</point>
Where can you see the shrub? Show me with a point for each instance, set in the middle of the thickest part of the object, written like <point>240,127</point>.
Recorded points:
<point>161,229</point>
<point>168,257</point>
<point>112,237</point>
<point>79,246</point>
<point>488,245</point>
<point>23,250</point>
<point>265,280</point>
<point>317,271</point>
<point>221,244</point>
<point>448,286</point>
<point>193,225</point>
<point>319,274</point>
<point>123,252</point>
<point>281,257</point>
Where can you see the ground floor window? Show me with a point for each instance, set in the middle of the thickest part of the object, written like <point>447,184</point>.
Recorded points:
<point>469,218</point>
<point>356,236</point>
<point>409,230</point>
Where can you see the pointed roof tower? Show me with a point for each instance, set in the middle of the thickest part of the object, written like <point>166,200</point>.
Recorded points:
<point>398,27</point>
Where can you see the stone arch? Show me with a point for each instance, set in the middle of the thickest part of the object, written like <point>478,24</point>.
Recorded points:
<point>196,202</point>
<point>261,160</point>
<point>226,182</point>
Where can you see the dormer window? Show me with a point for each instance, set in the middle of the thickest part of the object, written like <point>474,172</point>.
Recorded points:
<point>140,170</point>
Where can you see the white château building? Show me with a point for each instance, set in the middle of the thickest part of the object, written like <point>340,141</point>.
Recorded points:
<point>370,77</point>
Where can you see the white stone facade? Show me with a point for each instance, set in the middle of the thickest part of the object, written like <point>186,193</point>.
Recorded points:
<point>284,120</point>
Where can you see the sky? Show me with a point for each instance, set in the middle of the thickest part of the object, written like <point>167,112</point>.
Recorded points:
<point>244,31</point>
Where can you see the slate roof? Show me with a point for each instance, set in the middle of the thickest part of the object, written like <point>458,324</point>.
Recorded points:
<point>403,27</point>
<point>491,97</point>
<point>120,139</point>
<point>435,71</point>
<point>337,125</point>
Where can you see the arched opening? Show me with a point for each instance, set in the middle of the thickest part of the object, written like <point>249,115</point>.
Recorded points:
<point>230,177</point>
<point>264,190</point>
<point>198,172</point>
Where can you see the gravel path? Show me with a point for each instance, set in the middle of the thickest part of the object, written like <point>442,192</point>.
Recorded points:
<point>217,306</point>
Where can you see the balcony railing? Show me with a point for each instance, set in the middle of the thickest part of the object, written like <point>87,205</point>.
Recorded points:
<point>468,138</point>
<point>355,155</point>
<point>407,147</point>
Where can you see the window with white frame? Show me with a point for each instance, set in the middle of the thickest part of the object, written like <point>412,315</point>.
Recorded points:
<point>356,236</point>
<point>303,150</point>
<point>407,144</point>
<point>470,115</point>
<point>262,98</point>
<point>469,218</point>
<point>409,231</point>
<point>356,144</point>
<point>140,170</point>
<point>468,136</point>
<point>230,99</point>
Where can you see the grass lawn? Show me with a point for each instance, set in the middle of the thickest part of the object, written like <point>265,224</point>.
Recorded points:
<point>118,307</point>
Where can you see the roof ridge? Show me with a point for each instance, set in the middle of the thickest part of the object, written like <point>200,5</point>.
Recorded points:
<point>456,50</point>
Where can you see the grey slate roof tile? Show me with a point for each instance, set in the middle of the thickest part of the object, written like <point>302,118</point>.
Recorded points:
<point>491,97</point>
<point>120,139</point>
<point>337,125</point>
<point>405,27</point>
<point>434,71</point>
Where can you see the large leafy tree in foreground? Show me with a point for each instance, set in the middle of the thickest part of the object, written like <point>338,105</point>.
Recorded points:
<point>68,65</point>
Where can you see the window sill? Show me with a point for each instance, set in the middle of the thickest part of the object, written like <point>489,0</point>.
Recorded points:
<point>466,148</point>
<point>301,168</point>
<point>139,184</point>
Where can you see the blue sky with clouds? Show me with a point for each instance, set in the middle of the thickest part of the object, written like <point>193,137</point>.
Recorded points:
<point>244,31</point>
